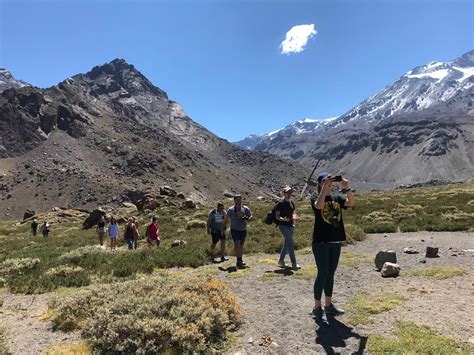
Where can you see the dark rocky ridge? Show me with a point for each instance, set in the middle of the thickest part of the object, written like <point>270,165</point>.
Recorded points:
<point>97,137</point>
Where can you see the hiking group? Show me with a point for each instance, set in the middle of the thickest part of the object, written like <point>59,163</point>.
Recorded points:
<point>327,238</point>
<point>328,234</point>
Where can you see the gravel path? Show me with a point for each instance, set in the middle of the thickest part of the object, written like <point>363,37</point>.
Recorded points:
<point>278,305</point>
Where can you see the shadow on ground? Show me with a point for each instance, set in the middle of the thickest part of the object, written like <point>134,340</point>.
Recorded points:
<point>336,334</point>
<point>285,272</point>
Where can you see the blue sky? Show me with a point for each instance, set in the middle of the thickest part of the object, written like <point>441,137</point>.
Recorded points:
<point>222,59</point>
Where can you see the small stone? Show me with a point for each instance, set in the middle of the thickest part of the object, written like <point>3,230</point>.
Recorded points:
<point>410,250</point>
<point>423,261</point>
<point>390,270</point>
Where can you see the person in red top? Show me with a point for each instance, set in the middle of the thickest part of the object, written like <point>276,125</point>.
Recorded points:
<point>153,233</point>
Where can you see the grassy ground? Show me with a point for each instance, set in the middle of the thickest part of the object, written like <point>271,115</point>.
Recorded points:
<point>438,272</point>
<point>66,261</point>
<point>363,305</point>
<point>415,339</point>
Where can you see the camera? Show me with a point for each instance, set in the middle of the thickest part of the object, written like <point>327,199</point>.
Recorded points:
<point>338,178</point>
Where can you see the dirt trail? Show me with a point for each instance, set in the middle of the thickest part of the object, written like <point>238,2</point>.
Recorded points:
<point>278,305</point>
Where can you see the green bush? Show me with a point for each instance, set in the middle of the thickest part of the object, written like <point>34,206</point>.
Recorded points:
<point>379,222</point>
<point>354,233</point>
<point>152,315</point>
<point>18,265</point>
<point>77,255</point>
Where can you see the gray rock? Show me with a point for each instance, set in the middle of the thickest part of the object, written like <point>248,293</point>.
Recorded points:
<point>181,195</point>
<point>93,218</point>
<point>189,204</point>
<point>431,252</point>
<point>390,270</point>
<point>178,242</point>
<point>385,256</point>
<point>28,214</point>
<point>410,250</point>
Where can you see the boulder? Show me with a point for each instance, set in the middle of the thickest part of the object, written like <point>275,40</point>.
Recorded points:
<point>431,252</point>
<point>260,198</point>
<point>189,204</point>
<point>178,242</point>
<point>228,194</point>
<point>181,195</point>
<point>194,223</point>
<point>410,250</point>
<point>390,270</point>
<point>385,256</point>
<point>28,214</point>
<point>129,205</point>
<point>167,191</point>
<point>93,218</point>
<point>148,202</point>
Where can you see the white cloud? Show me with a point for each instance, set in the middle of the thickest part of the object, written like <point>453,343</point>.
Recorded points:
<point>297,38</point>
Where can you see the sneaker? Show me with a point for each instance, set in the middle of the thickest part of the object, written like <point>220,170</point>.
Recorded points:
<point>281,264</point>
<point>296,267</point>
<point>333,309</point>
<point>320,316</point>
<point>223,259</point>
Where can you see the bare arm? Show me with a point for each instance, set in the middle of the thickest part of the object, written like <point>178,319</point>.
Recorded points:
<point>350,201</point>
<point>325,191</point>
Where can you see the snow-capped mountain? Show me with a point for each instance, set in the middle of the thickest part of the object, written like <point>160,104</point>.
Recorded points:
<point>7,81</point>
<point>307,125</point>
<point>418,128</point>
<point>417,90</point>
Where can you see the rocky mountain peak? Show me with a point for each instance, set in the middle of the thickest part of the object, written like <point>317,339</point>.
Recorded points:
<point>118,76</point>
<point>7,80</point>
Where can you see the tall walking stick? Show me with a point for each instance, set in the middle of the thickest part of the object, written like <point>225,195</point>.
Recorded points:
<point>309,179</point>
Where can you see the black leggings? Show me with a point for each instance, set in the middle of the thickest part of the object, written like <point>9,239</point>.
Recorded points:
<point>327,257</point>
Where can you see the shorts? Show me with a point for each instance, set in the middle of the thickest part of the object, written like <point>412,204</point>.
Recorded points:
<point>238,236</point>
<point>216,236</point>
<point>113,236</point>
<point>150,241</point>
<point>101,231</point>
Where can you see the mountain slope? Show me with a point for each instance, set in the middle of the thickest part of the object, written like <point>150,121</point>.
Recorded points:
<point>98,137</point>
<point>417,129</point>
<point>7,81</point>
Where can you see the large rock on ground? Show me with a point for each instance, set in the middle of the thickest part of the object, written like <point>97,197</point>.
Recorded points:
<point>189,204</point>
<point>148,202</point>
<point>390,270</point>
<point>385,256</point>
<point>93,218</point>
<point>167,191</point>
<point>431,252</point>
<point>28,214</point>
<point>178,242</point>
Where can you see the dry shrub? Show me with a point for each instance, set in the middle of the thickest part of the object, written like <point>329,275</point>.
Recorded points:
<point>18,265</point>
<point>354,233</point>
<point>378,222</point>
<point>457,216</point>
<point>64,271</point>
<point>406,212</point>
<point>470,203</point>
<point>76,255</point>
<point>194,223</point>
<point>153,315</point>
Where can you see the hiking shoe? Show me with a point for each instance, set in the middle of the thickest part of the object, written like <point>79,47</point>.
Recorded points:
<point>281,264</point>
<point>333,309</point>
<point>320,316</point>
<point>296,267</point>
<point>223,259</point>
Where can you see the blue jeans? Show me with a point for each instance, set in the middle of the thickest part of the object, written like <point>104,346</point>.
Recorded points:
<point>289,245</point>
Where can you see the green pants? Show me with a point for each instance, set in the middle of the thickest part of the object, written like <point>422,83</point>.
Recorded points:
<point>326,256</point>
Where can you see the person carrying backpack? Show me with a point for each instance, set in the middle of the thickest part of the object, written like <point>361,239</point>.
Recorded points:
<point>215,222</point>
<point>34,227</point>
<point>101,229</point>
<point>285,217</point>
<point>238,215</point>
<point>153,233</point>
<point>129,233</point>
<point>45,228</point>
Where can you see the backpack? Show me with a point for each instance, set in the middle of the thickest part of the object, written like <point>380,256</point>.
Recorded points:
<point>270,218</point>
